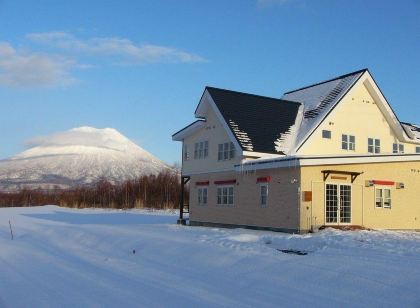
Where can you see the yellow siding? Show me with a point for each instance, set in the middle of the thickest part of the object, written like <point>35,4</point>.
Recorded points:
<point>214,133</point>
<point>281,211</point>
<point>358,115</point>
<point>405,209</point>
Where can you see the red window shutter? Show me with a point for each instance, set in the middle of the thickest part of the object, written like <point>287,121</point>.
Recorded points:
<point>264,179</point>
<point>225,182</point>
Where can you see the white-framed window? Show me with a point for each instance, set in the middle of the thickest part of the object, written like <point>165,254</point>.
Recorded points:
<point>202,195</point>
<point>397,148</point>
<point>326,134</point>
<point>348,142</point>
<point>417,149</point>
<point>374,145</point>
<point>382,197</point>
<point>264,195</point>
<point>225,195</point>
<point>226,151</point>
<point>201,149</point>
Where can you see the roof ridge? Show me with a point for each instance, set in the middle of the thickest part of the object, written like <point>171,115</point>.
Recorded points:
<point>251,94</point>
<point>329,80</point>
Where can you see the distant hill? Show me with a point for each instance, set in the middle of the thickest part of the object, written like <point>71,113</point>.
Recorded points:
<point>79,156</point>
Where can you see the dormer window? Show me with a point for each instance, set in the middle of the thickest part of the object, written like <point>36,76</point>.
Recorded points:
<point>398,148</point>
<point>374,145</point>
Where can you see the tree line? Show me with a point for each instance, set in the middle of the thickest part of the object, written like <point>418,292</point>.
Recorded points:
<point>160,191</point>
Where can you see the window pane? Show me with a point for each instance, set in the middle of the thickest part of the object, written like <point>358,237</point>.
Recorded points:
<point>370,149</point>
<point>219,196</point>
<point>205,195</point>
<point>377,142</point>
<point>387,193</point>
<point>417,149</point>
<point>226,151</point>
<point>195,150</point>
<point>344,138</point>
<point>230,201</point>
<point>401,148</point>
<point>352,139</point>
<point>326,134</point>
<point>370,141</point>
<point>344,145</point>
<point>232,150</point>
<point>206,148</point>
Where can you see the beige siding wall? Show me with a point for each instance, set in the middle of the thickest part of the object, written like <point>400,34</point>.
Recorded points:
<point>281,211</point>
<point>214,133</point>
<point>405,209</point>
<point>358,115</point>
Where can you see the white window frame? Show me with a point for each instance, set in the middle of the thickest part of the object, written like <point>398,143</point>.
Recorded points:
<point>374,145</point>
<point>397,148</point>
<point>201,149</point>
<point>384,202</point>
<point>225,195</point>
<point>202,195</point>
<point>264,198</point>
<point>225,151</point>
<point>348,142</point>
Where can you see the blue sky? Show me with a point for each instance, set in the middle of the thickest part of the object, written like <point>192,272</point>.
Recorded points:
<point>141,66</point>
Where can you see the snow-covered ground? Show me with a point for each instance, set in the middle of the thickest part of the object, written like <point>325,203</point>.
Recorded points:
<point>84,258</point>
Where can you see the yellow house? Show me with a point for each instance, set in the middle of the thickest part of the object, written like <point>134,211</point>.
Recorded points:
<point>329,154</point>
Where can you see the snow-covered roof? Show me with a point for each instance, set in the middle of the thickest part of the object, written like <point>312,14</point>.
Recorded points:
<point>318,100</point>
<point>412,130</point>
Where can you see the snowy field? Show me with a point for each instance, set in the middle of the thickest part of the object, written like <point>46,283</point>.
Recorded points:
<point>84,258</point>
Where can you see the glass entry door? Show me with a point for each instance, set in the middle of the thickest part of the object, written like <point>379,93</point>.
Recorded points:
<point>337,203</point>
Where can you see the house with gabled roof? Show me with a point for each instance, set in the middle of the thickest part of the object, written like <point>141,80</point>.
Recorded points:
<point>330,154</point>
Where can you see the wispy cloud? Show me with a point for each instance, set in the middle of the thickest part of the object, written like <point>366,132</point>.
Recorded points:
<point>124,49</point>
<point>29,69</point>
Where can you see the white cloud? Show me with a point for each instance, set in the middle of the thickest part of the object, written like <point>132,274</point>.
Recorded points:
<point>82,136</point>
<point>122,48</point>
<point>28,69</point>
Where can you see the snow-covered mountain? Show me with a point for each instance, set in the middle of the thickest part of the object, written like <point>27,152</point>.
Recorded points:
<point>79,156</point>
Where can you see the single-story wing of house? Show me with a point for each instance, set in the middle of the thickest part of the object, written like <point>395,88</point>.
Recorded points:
<point>330,154</point>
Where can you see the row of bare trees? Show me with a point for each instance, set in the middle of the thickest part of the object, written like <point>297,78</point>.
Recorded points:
<point>150,191</point>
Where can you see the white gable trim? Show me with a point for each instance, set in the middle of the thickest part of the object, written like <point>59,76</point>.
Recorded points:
<point>190,129</point>
<point>386,109</point>
<point>367,80</point>
<point>206,99</point>
<point>321,120</point>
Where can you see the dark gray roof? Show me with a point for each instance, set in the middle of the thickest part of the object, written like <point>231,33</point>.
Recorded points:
<point>256,121</point>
